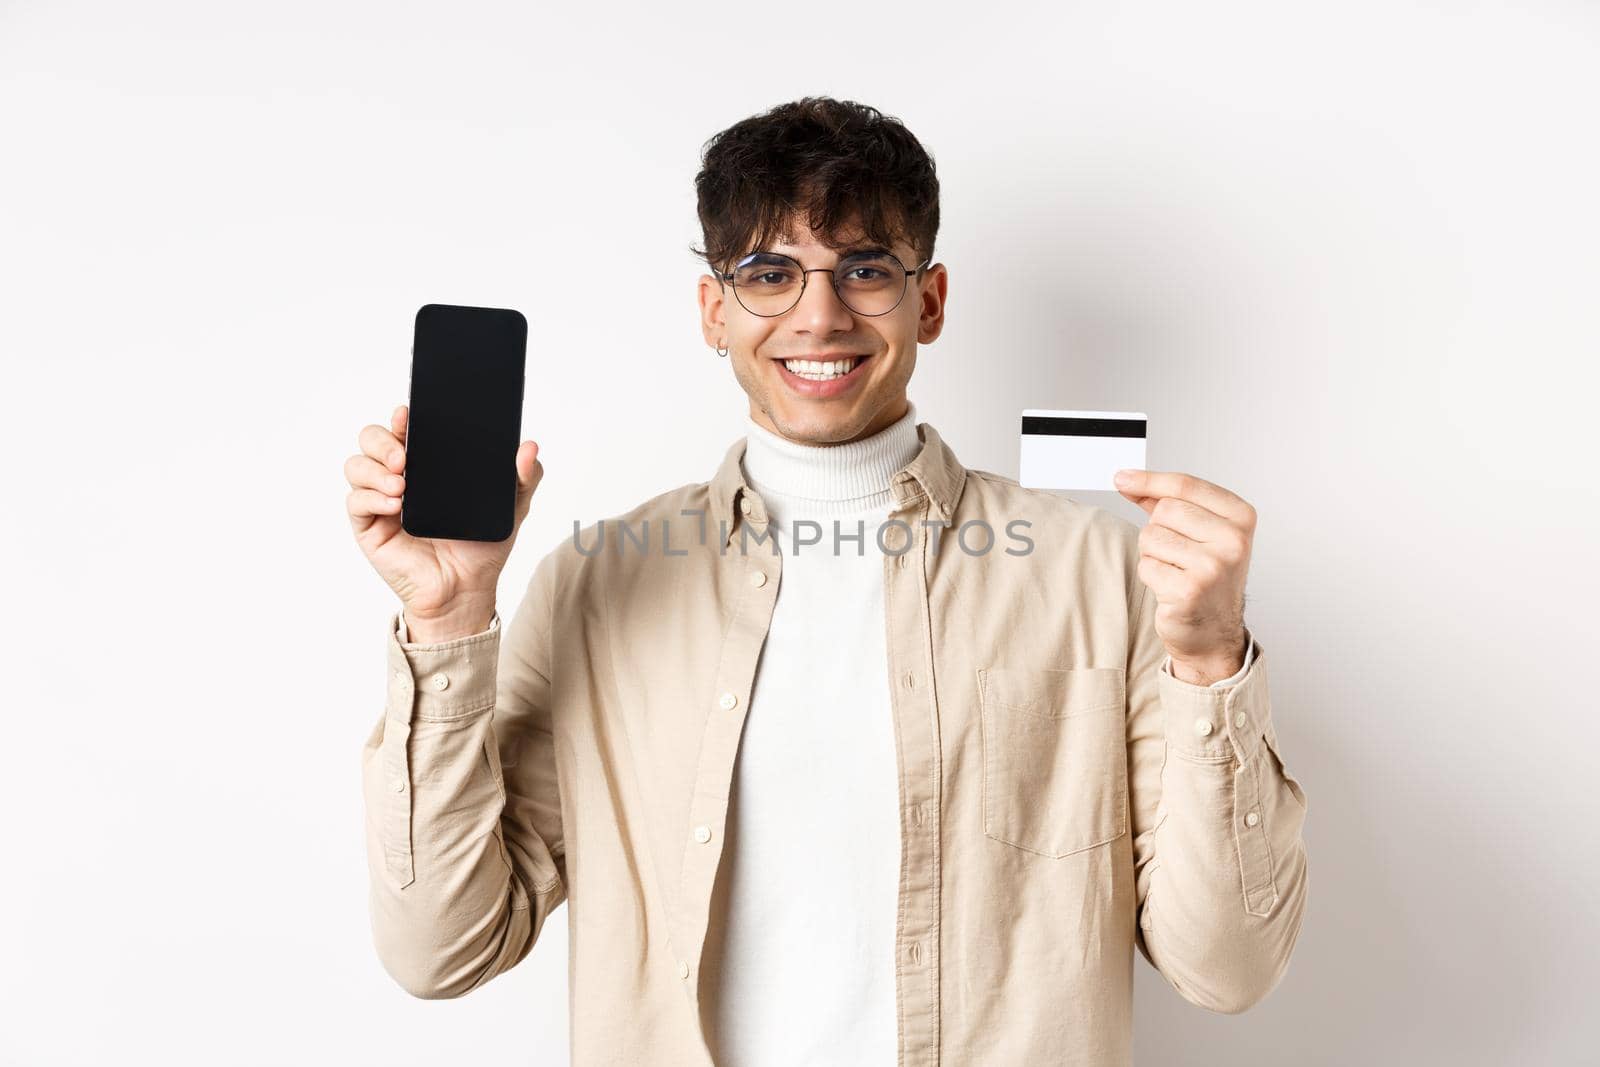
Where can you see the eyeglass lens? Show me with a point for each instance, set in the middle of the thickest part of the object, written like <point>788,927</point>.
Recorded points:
<point>769,283</point>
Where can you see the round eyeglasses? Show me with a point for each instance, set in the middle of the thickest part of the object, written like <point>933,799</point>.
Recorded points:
<point>868,283</point>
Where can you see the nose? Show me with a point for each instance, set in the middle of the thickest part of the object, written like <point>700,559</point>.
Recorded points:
<point>820,308</point>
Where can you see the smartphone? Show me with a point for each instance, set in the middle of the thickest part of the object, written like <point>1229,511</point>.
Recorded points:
<point>467,374</point>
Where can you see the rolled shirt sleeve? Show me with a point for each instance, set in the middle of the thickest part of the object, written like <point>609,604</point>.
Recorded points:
<point>1218,854</point>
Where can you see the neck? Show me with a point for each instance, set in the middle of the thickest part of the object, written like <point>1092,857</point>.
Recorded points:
<point>797,480</point>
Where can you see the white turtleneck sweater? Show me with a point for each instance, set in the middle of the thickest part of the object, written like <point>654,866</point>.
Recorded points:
<point>806,976</point>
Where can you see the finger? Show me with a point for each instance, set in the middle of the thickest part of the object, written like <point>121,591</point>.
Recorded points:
<point>400,421</point>
<point>1146,503</point>
<point>366,506</point>
<point>1198,491</point>
<point>364,472</point>
<point>529,470</point>
<point>383,446</point>
<point>1168,546</point>
<point>1198,524</point>
<point>1164,580</point>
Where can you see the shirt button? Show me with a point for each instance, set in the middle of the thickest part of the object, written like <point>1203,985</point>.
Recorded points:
<point>1240,720</point>
<point>683,969</point>
<point>1202,726</point>
<point>441,681</point>
<point>758,578</point>
<point>727,700</point>
<point>399,675</point>
<point>399,784</point>
<point>702,834</point>
<point>910,680</point>
<point>1252,819</point>
<point>744,504</point>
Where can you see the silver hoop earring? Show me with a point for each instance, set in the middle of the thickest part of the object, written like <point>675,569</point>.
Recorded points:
<point>723,352</point>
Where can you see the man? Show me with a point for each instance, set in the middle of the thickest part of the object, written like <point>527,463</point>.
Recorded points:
<point>848,754</point>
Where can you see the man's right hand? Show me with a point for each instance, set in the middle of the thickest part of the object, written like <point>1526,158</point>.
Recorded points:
<point>447,587</point>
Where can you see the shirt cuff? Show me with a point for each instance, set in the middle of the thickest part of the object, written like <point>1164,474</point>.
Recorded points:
<point>1216,721</point>
<point>404,635</point>
<point>442,679</point>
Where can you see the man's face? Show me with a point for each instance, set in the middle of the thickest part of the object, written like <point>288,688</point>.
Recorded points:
<point>820,328</point>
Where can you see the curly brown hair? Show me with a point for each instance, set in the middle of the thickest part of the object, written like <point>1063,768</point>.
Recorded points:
<point>835,160</point>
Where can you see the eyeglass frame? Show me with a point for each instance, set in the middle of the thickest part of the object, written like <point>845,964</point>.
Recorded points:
<point>905,281</point>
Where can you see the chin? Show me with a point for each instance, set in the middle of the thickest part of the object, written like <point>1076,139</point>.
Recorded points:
<point>820,428</point>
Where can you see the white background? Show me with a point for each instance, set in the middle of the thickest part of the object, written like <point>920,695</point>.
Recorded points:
<point>1344,255</point>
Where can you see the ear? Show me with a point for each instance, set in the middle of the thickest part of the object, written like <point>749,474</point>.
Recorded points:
<point>713,320</point>
<point>931,294</point>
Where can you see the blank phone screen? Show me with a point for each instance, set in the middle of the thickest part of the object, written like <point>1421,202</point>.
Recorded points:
<point>465,423</point>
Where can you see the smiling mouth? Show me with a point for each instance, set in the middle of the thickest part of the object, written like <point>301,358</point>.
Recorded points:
<point>824,370</point>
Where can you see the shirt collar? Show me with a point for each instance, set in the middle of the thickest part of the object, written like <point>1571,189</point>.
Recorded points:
<point>934,472</point>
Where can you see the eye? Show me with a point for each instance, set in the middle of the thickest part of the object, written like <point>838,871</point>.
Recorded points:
<point>763,273</point>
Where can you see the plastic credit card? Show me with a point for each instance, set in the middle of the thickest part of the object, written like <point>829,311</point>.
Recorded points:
<point>1079,449</point>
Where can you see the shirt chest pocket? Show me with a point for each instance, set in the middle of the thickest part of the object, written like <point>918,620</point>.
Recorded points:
<point>1055,770</point>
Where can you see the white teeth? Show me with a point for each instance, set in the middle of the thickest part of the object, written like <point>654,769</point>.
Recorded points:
<point>821,372</point>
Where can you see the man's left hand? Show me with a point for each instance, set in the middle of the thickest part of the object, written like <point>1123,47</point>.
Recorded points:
<point>1194,554</point>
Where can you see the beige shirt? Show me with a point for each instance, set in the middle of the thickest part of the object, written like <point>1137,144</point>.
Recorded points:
<point>1063,799</point>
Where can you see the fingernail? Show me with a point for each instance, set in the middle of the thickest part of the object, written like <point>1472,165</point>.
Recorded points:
<point>1125,477</point>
